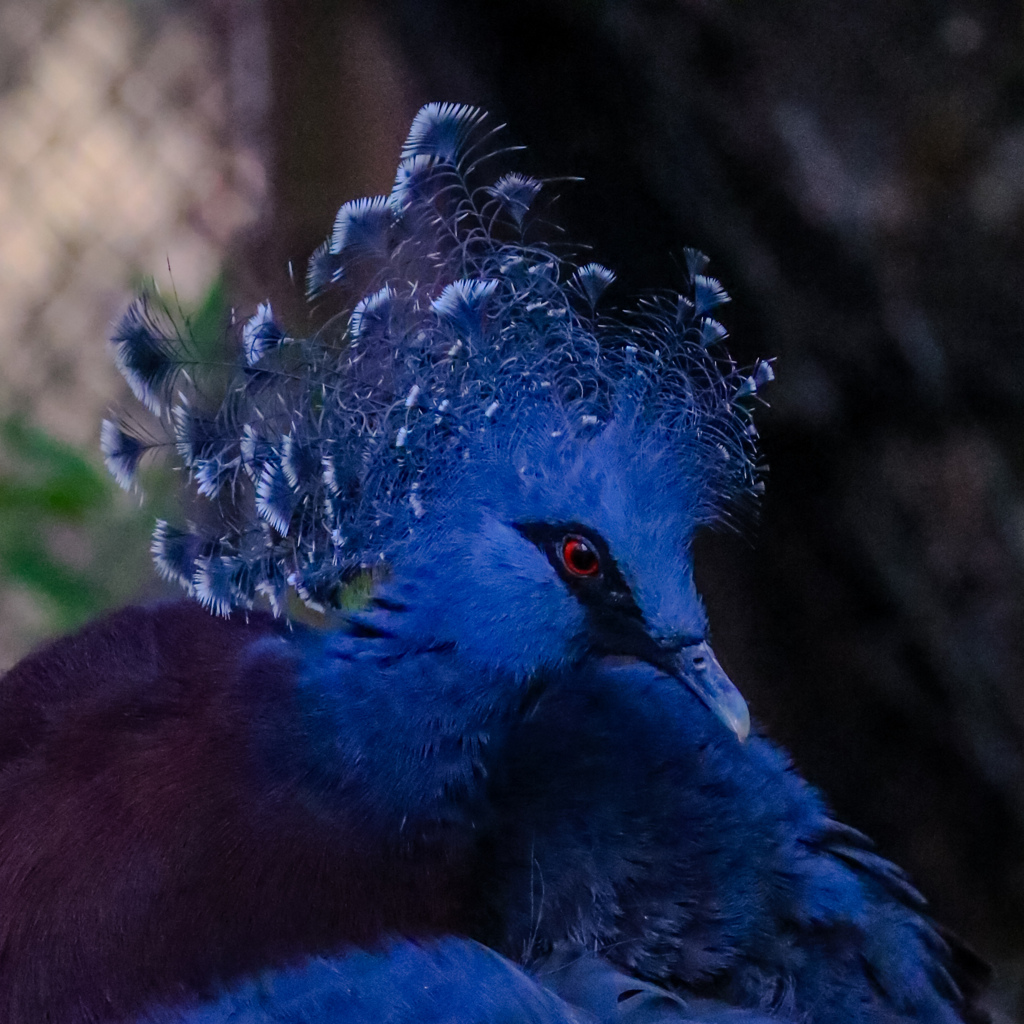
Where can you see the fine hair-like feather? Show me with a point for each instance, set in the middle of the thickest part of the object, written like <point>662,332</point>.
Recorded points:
<point>460,330</point>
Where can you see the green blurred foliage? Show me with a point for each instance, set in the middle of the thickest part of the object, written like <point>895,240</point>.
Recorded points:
<point>69,537</point>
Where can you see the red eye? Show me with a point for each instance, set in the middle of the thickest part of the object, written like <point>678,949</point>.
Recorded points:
<point>579,556</point>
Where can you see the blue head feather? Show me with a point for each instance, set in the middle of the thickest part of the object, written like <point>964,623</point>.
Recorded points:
<point>469,352</point>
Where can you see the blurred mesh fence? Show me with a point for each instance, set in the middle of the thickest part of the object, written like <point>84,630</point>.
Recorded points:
<point>117,163</point>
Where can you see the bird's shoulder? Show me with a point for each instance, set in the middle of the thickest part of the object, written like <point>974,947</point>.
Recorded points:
<point>917,964</point>
<point>126,669</point>
<point>162,759</point>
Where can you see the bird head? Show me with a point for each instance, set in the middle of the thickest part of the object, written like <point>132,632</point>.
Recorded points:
<point>554,549</point>
<point>529,469</point>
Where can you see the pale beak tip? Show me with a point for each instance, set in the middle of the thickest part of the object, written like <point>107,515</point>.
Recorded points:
<point>737,718</point>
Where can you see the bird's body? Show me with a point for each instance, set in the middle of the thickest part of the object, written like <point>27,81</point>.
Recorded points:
<point>518,735</point>
<point>208,798</point>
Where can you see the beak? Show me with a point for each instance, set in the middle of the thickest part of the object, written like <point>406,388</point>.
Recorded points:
<point>697,667</point>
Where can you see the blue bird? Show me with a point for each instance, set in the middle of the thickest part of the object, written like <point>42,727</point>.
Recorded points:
<point>511,747</point>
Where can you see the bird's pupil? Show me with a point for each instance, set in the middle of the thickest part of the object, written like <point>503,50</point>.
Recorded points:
<point>579,557</point>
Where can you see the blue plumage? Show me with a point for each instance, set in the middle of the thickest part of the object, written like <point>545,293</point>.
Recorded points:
<point>403,983</point>
<point>439,983</point>
<point>513,730</point>
<point>461,333</point>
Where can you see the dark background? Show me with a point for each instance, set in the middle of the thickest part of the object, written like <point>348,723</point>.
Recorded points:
<point>856,173</point>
